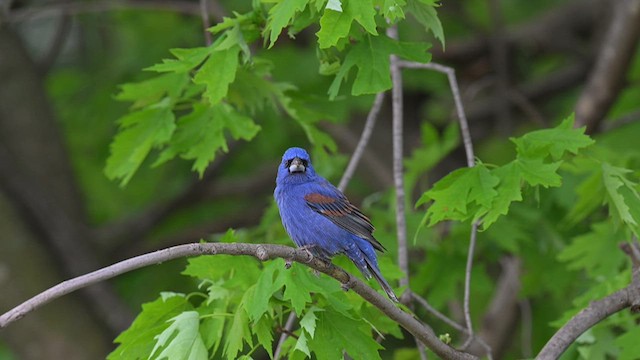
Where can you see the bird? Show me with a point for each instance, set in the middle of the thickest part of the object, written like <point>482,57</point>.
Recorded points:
<point>319,218</point>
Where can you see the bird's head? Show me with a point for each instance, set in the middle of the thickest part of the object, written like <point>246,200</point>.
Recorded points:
<point>296,166</point>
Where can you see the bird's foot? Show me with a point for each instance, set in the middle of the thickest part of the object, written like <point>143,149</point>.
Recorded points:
<point>316,273</point>
<point>348,285</point>
<point>287,264</point>
<point>307,249</point>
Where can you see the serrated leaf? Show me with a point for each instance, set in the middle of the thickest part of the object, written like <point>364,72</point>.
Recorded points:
<point>554,142</point>
<point>508,191</point>
<point>264,332</point>
<point>614,181</point>
<point>281,15</point>
<point>140,131</point>
<point>187,60</point>
<point>334,25</point>
<point>535,172</point>
<point>371,57</point>
<point>425,12</point>
<point>453,194</point>
<point>629,344</point>
<point>308,321</point>
<point>590,197</point>
<point>593,251</point>
<point>270,281</point>
<point>239,331</point>
<point>215,316</point>
<point>301,344</point>
<point>181,340</point>
<point>299,285</point>
<point>393,10</point>
<point>137,341</point>
<point>148,92</point>
<point>218,71</point>
<point>364,13</point>
<point>200,134</point>
<point>336,333</point>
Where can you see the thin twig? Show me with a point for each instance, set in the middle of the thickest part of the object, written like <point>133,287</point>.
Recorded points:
<point>422,301</point>
<point>398,173</point>
<point>262,252</point>
<point>425,304</point>
<point>288,326</point>
<point>206,23</point>
<point>468,148</point>
<point>362,143</point>
<point>455,90</point>
<point>467,283</point>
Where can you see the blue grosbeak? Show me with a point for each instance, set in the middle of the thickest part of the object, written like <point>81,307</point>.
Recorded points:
<point>319,218</point>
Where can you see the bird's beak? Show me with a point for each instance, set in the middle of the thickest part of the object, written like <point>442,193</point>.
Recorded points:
<point>297,166</point>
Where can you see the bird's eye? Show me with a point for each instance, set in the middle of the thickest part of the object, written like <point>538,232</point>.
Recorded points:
<point>305,163</point>
<point>288,163</point>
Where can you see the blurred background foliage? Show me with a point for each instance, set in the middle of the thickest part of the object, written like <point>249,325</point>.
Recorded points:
<point>75,56</point>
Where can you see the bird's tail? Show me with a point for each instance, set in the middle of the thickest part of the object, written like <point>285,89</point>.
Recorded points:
<point>375,272</point>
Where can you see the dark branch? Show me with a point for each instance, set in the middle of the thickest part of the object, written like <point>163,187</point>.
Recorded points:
<point>595,312</point>
<point>609,73</point>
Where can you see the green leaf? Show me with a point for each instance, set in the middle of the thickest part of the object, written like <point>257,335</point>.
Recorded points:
<point>187,60</point>
<point>309,320</point>
<point>334,25</point>
<point>301,344</point>
<point>264,332</point>
<point>140,131</point>
<point>217,73</point>
<point>554,142</point>
<point>371,57</point>
<point>592,251</point>
<point>392,10</point>
<point>425,12</point>
<point>137,341</point>
<point>629,344</point>
<point>621,193</point>
<point>214,315</point>
<point>336,333</point>
<point>453,193</point>
<point>152,91</point>
<point>591,195</point>
<point>281,15</point>
<point>508,191</point>
<point>181,340</point>
<point>535,172</point>
<point>238,332</point>
<point>364,13</point>
<point>270,281</point>
<point>200,134</point>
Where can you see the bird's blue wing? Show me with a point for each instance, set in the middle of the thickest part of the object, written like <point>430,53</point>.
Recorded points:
<point>333,205</point>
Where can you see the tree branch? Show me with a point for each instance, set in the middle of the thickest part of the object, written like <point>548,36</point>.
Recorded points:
<point>607,78</point>
<point>262,252</point>
<point>596,311</point>
<point>398,172</point>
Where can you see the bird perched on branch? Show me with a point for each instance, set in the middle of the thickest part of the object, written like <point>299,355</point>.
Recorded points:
<point>319,218</point>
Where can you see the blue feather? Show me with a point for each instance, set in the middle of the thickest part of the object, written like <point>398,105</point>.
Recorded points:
<point>318,217</point>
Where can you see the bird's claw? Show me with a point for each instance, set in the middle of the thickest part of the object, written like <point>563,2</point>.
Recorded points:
<point>287,264</point>
<point>307,249</point>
